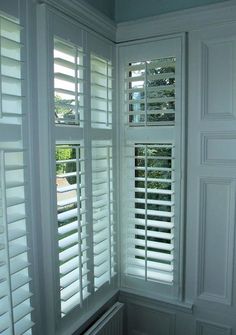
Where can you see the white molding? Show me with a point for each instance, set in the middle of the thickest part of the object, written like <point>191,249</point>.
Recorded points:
<point>202,293</point>
<point>202,325</point>
<point>217,160</point>
<point>177,22</point>
<point>85,15</point>
<point>139,298</point>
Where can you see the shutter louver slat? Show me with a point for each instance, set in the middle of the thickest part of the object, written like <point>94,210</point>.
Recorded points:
<point>21,296</point>
<point>5,320</point>
<point>19,280</point>
<point>21,311</point>
<point>23,326</point>
<point>70,278</point>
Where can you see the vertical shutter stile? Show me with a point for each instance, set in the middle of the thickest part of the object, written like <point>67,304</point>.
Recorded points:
<point>0,71</point>
<point>6,315</point>
<point>146,203</point>
<point>79,195</point>
<point>110,199</point>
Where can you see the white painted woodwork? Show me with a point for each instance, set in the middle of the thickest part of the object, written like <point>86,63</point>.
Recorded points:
<point>210,260</point>
<point>204,303</point>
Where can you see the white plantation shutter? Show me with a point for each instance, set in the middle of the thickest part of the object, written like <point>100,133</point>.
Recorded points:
<point>101,92</point>
<point>103,213</point>
<point>72,227</point>
<point>84,174</point>
<point>151,92</point>
<point>151,207</point>
<point>152,163</point>
<point>70,175</point>
<point>15,278</point>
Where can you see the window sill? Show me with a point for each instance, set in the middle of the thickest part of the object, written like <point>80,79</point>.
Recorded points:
<point>147,300</point>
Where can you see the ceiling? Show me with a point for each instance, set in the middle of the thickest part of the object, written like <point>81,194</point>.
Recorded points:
<point>126,10</point>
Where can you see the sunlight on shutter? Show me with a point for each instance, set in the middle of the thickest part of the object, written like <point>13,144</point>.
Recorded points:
<point>15,291</point>
<point>103,213</point>
<point>101,92</point>
<point>68,83</point>
<point>72,228</point>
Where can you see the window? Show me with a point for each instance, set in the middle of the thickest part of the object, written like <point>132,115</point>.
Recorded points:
<point>68,83</point>
<point>87,257</point>
<point>151,231</point>
<point>15,265</point>
<point>81,177</point>
<point>151,92</point>
<point>70,175</point>
<point>151,155</point>
<point>72,227</point>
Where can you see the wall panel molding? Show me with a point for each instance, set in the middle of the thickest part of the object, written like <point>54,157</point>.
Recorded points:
<point>210,328</point>
<point>216,240</point>
<point>145,320</point>
<point>217,79</point>
<point>218,148</point>
<point>127,296</point>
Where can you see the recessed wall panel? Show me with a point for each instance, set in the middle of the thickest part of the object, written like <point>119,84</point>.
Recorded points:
<point>144,320</point>
<point>217,79</point>
<point>206,328</point>
<point>219,148</point>
<point>216,239</point>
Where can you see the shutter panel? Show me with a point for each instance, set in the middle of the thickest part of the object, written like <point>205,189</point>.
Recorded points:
<point>103,213</point>
<point>70,175</point>
<point>151,212</point>
<point>101,92</point>
<point>15,291</point>
<point>68,83</point>
<point>150,91</point>
<point>152,161</point>
<point>72,228</point>
<point>84,172</point>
